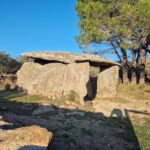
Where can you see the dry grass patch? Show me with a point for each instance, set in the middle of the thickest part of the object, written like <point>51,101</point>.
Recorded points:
<point>138,92</point>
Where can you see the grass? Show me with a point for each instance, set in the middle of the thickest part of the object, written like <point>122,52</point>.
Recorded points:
<point>143,135</point>
<point>12,100</point>
<point>70,97</point>
<point>142,131</point>
<point>138,92</point>
<point>117,99</point>
<point>16,96</point>
<point>133,130</point>
<point>87,106</point>
<point>21,97</point>
<point>140,126</point>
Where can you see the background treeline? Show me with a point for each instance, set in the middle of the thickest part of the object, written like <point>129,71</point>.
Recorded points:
<point>8,64</point>
<point>8,69</point>
<point>121,25</point>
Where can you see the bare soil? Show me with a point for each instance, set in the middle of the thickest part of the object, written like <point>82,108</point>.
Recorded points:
<point>120,123</point>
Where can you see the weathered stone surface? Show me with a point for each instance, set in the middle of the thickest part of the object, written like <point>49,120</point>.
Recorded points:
<point>3,123</point>
<point>107,82</point>
<point>43,80</point>
<point>58,74</point>
<point>8,81</point>
<point>27,138</point>
<point>54,80</point>
<point>68,57</point>
<point>77,76</point>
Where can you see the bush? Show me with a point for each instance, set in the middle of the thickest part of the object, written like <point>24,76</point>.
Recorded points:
<point>8,64</point>
<point>72,96</point>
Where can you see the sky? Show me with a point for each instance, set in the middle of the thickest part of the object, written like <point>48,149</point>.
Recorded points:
<point>38,25</point>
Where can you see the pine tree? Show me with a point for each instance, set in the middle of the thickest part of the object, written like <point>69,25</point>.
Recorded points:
<point>125,25</point>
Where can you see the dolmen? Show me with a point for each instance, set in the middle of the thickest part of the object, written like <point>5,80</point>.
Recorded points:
<point>58,74</point>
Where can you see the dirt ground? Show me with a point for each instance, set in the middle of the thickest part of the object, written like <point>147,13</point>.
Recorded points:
<point>121,123</point>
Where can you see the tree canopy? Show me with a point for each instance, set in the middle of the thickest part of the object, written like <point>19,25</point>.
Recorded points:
<point>123,24</point>
<point>102,20</point>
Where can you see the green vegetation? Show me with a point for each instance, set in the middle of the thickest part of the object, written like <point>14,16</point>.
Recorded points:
<point>8,64</point>
<point>87,106</point>
<point>143,134</point>
<point>71,96</point>
<point>139,92</point>
<point>22,59</point>
<point>123,26</point>
<point>11,101</point>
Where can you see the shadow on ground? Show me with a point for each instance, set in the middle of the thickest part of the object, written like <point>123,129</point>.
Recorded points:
<point>32,148</point>
<point>72,129</point>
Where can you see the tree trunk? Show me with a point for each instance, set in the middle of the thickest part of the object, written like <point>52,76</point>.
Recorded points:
<point>125,78</point>
<point>142,75</point>
<point>125,74</point>
<point>133,68</point>
<point>133,76</point>
<point>142,63</point>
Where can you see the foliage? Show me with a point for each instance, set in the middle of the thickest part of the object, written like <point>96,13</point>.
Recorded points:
<point>8,64</point>
<point>123,25</point>
<point>72,96</point>
<point>101,20</point>
<point>22,59</point>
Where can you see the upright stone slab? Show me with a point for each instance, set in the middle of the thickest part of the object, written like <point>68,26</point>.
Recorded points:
<point>43,80</point>
<point>77,77</point>
<point>54,80</point>
<point>107,82</point>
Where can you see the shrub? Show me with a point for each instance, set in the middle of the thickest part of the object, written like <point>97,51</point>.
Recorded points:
<point>8,64</point>
<point>72,96</point>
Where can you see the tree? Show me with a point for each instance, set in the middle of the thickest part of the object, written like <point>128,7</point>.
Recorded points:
<point>8,64</point>
<point>122,24</point>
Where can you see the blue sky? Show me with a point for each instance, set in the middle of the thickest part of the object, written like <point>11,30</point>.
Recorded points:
<point>30,25</point>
